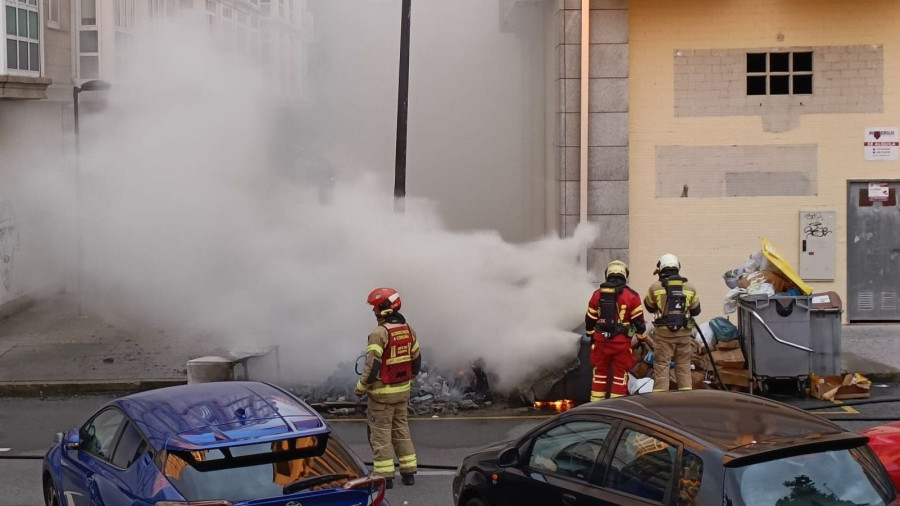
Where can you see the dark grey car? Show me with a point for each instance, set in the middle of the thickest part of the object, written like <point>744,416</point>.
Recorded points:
<point>686,448</point>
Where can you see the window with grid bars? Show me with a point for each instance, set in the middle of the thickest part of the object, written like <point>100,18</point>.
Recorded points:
<point>780,73</point>
<point>23,36</point>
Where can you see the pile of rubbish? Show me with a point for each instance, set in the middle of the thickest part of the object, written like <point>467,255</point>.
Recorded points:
<point>433,392</point>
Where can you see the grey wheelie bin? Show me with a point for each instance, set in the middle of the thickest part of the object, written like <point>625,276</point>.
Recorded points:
<point>776,337</point>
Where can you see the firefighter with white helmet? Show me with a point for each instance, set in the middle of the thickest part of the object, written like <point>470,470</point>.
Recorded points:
<point>614,315</point>
<point>392,362</point>
<point>675,303</point>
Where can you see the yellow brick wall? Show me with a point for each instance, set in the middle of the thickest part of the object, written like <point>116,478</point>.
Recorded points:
<point>712,235</point>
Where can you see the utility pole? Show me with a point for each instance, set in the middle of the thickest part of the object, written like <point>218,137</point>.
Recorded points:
<point>402,108</point>
<point>95,85</point>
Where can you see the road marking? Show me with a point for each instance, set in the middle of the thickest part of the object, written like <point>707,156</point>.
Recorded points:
<point>5,449</point>
<point>845,410</point>
<point>436,473</point>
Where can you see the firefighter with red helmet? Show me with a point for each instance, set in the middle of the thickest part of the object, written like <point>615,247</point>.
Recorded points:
<point>392,362</point>
<point>614,315</point>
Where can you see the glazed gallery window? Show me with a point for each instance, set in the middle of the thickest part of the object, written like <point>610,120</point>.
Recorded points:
<point>23,36</point>
<point>788,73</point>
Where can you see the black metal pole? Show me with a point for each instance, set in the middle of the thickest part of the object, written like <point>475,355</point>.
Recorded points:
<point>78,240</point>
<point>402,108</point>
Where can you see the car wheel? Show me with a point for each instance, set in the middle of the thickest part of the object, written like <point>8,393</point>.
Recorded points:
<point>476,501</point>
<point>51,497</point>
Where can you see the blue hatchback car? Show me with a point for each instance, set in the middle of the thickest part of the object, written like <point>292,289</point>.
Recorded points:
<point>208,444</point>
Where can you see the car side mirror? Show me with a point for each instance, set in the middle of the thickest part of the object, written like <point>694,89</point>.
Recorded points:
<point>71,440</point>
<point>508,457</point>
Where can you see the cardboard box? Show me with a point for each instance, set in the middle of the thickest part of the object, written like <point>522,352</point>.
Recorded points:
<point>697,380</point>
<point>735,377</point>
<point>728,345</point>
<point>731,359</point>
<point>831,388</point>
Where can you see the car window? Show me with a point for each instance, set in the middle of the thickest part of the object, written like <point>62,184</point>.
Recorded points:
<point>98,435</point>
<point>241,473</point>
<point>690,480</point>
<point>838,477</point>
<point>131,446</point>
<point>570,449</point>
<point>642,465</point>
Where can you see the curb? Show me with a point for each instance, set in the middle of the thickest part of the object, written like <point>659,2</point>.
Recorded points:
<point>49,388</point>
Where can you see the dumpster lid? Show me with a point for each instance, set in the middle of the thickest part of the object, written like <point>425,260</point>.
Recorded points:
<point>825,301</point>
<point>781,263</point>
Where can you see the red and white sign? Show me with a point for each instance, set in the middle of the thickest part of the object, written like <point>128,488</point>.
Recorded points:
<point>882,144</point>
<point>879,192</point>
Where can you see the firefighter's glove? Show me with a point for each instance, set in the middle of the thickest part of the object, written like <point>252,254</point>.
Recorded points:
<point>360,390</point>
<point>586,339</point>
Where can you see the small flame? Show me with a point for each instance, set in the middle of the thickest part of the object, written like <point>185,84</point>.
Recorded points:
<point>556,406</point>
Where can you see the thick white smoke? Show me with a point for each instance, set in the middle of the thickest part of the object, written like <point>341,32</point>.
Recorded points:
<point>191,223</point>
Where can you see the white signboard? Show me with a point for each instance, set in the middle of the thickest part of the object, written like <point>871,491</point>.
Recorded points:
<point>881,144</point>
<point>879,192</point>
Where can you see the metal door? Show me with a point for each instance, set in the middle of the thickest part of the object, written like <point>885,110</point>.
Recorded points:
<point>873,251</point>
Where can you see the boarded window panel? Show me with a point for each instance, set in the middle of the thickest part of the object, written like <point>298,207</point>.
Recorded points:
<point>703,170</point>
<point>772,184</point>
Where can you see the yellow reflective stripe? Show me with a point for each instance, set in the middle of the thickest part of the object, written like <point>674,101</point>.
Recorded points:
<point>611,395</point>
<point>397,360</point>
<point>685,388</point>
<point>589,332</point>
<point>407,459</point>
<point>591,310</point>
<point>360,386</point>
<point>383,466</point>
<point>376,348</point>
<point>415,347</point>
<point>638,310</point>
<point>391,389</point>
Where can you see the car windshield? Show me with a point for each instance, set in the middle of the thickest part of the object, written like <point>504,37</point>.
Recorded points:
<point>240,473</point>
<point>832,478</point>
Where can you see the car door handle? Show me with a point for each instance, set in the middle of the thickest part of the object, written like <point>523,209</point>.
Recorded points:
<point>569,499</point>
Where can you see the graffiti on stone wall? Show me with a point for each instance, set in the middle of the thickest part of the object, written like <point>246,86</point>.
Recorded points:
<point>9,243</point>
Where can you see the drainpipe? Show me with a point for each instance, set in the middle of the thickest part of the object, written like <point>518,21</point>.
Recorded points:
<point>585,98</point>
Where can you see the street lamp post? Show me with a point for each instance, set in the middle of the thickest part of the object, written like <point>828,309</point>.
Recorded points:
<point>402,107</point>
<point>95,85</point>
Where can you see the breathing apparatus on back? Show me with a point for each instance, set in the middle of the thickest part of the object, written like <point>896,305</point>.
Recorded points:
<point>610,318</point>
<point>675,312</point>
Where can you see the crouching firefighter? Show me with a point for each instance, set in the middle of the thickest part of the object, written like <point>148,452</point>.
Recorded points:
<point>392,361</point>
<point>614,315</point>
<point>675,303</point>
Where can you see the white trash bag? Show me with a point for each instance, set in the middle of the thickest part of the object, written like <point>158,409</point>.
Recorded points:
<point>639,385</point>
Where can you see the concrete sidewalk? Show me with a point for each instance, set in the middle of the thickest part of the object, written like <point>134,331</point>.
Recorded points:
<point>46,349</point>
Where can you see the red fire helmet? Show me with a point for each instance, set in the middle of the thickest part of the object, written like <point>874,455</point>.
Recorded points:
<point>384,300</point>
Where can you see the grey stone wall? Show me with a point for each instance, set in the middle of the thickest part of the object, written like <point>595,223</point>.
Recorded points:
<point>712,82</point>
<point>607,124</point>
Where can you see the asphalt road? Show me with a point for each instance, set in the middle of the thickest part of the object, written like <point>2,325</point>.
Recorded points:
<point>27,427</point>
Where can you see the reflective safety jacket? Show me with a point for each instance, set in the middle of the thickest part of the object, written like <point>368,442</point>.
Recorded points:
<point>392,361</point>
<point>656,301</point>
